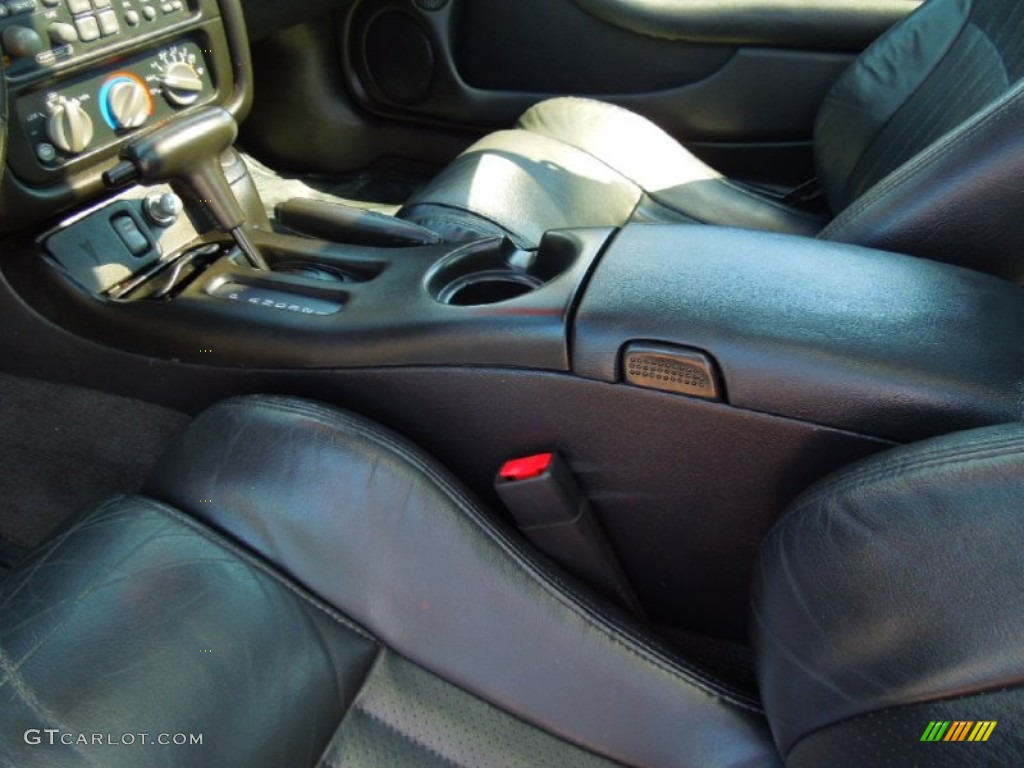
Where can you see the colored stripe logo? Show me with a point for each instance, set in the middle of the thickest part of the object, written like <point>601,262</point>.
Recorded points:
<point>959,730</point>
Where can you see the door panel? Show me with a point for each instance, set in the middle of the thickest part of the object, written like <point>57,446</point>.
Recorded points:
<point>444,68</point>
<point>480,63</point>
<point>816,24</point>
<point>552,46</point>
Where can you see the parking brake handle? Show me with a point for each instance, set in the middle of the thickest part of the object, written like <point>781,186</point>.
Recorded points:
<point>185,152</point>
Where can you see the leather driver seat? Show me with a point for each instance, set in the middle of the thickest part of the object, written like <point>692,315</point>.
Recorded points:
<point>919,149</point>
<point>300,587</point>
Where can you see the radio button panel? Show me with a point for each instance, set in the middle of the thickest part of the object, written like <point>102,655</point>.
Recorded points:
<point>66,30</point>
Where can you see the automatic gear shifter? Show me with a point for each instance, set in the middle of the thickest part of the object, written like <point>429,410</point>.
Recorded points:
<point>185,153</point>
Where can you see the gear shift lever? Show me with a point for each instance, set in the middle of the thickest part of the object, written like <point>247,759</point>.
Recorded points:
<point>186,153</point>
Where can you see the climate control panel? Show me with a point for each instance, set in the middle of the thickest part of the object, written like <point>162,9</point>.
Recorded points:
<point>78,116</point>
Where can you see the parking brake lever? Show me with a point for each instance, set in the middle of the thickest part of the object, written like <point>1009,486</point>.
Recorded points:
<point>185,152</point>
<point>339,223</point>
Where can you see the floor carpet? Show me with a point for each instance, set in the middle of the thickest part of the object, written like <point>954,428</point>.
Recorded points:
<point>63,448</point>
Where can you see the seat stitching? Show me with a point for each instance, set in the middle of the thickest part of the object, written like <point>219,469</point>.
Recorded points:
<point>964,24</point>
<point>408,737</point>
<point>945,456</point>
<point>923,122</point>
<point>391,653</point>
<point>619,634</point>
<point>377,660</point>
<point>990,116</point>
<point>927,459</point>
<point>895,469</point>
<point>96,582</point>
<point>252,561</point>
<point>650,200</point>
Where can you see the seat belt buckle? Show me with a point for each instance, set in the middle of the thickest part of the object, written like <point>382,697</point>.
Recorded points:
<point>552,512</point>
<point>808,196</point>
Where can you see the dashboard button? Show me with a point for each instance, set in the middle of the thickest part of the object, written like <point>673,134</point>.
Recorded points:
<point>51,3</point>
<point>21,6</point>
<point>166,7</point>
<point>79,6</point>
<point>130,234</point>
<point>22,42</point>
<point>148,12</point>
<point>88,28</point>
<point>162,210</point>
<point>98,4</point>
<point>131,18</point>
<point>108,23</point>
<point>62,33</point>
<point>46,152</point>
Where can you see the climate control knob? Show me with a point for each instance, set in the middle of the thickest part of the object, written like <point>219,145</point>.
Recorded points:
<point>69,126</point>
<point>125,102</point>
<point>181,84</point>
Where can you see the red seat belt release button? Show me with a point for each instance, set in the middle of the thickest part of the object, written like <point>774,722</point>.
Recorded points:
<point>527,467</point>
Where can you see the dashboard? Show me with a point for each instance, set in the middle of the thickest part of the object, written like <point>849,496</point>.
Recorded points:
<point>85,76</point>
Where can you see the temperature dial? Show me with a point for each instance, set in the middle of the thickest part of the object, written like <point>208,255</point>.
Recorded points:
<point>125,102</point>
<point>69,126</point>
<point>181,83</point>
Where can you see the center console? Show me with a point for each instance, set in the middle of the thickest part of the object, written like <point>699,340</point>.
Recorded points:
<point>321,305</point>
<point>696,378</point>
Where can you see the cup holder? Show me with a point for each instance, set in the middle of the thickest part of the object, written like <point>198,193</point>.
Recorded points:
<point>487,288</point>
<point>492,271</point>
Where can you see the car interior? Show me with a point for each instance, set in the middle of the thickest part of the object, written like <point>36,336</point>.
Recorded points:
<point>535,383</point>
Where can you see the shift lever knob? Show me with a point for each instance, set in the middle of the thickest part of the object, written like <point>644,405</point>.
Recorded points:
<point>186,153</point>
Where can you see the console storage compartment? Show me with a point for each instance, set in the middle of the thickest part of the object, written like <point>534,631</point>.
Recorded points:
<point>873,342</point>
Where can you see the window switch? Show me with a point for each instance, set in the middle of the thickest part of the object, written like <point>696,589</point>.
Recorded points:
<point>130,234</point>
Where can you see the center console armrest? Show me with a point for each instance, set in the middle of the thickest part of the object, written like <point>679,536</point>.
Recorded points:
<point>848,337</point>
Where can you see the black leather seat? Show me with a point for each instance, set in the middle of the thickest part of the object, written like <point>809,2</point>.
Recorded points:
<point>300,587</point>
<point>919,149</point>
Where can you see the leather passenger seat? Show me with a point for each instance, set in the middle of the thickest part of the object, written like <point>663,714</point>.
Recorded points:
<point>302,587</point>
<point>919,148</point>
